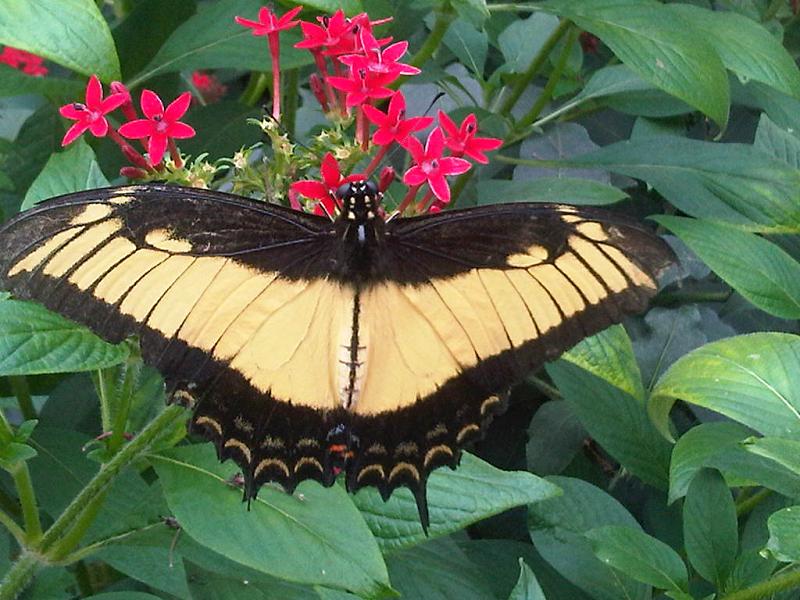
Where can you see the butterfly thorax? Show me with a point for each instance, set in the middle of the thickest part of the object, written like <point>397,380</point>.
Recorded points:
<point>359,226</point>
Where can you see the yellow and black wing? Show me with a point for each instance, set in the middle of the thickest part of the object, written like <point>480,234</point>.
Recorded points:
<point>230,298</point>
<point>471,301</point>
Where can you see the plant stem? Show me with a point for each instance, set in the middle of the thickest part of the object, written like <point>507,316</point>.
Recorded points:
<point>123,409</point>
<point>547,389</point>
<point>104,393</point>
<point>75,519</point>
<point>290,83</point>
<point>678,298</point>
<point>27,500</point>
<point>255,89</point>
<point>20,388</point>
<point>532,162</point>
<point>527,76</point>
<point>12,527</point>
<point>547,92</point>
<point>67,543</point>
<point>764,589</point>
<point>513,7</point>
<point>434,40</point>
<point>748,503</point>
<point>18,575</point>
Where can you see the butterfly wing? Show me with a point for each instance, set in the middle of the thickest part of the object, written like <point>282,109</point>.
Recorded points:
<point>471,301</point>
<point>229,298</point>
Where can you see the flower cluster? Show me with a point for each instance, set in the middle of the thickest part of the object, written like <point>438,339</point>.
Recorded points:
<point>28,63</point>
<point>157,131</point>
<point>358,72</point>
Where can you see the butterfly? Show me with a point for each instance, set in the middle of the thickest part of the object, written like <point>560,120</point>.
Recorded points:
<point>307,346</point>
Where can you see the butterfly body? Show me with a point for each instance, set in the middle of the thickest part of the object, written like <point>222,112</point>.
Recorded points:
<point>309,346</point>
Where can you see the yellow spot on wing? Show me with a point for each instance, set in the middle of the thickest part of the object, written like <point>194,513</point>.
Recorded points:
<point>35,258</point>
<point>144,294</point>
<point>124,275</point>
<point>593,230</point>
<point>92,213</point>
<point>636,275</point>
<point>563,292</point>
<point>162,239</point>
<point>601,264</point>
<point>574,269</point>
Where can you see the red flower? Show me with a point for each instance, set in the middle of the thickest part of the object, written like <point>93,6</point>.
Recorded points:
<point>392,127</point>
<point>268,22</point>
<point>28,63</point>
<point>160,125</point>
<point>462,140</point>
<point>375,60</point>
<point>90,115</point>
<point>324,191</point>
<point>208,86</point>
<point>431,166</point>
<point>362,86</point>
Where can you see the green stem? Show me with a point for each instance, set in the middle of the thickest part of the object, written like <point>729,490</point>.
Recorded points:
<point>21,389</point>
<point>123,409</point>
<point>679,298</point>
<point>772,10</point>
<point>87,551</point>
<point>527,76</point>
<point>434,40</point>
<point>27,499</point>
<point>748,503</point>
<point>547,389</point>
<point>68,543</point>
<point>513,7</point>
<point>531,162</point>
<point>104,395</point>
<point>290,85</point>
<point>14,529</point>
<point>19,575</point>
<point>255,89</point>
<point>74,519</point>
<point>765,589</point>
<point>555,76</point>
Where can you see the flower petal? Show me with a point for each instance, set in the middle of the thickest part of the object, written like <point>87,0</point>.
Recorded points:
<point>395,51</point>
<point>151,104</point>
<point>310,189</point>
<point>94,92</point>
<point>112,103</point>
<point>178,107</point>
<point>74,132</point>
<point>180,130</point>
<point>414,148</point>
<point>447,124</point>
<point>434,146</point>
<point>376,116</point>
<point>450,165</point>
<point>414,176</point>
<point>99,127</point>
<point>71,112</point>
<point>140,128</point>
<point>439,187</point>
<point>156,146</point>
<point>397,106</point>
<point>329,169</point>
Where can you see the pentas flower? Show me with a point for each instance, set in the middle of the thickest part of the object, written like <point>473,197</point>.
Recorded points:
<point>271,25</point>
<point>268,22</point>
<point>324,191</point>
<point>363,86</point>
<point>336,34</point>
<point>375,60</point>
<point>392,124</point>
<point>28,63</point>
<point>461,140</point>
<point>208,86</point>
<point>430,166</point>
<point>161,125</point>
<point>91,114</point>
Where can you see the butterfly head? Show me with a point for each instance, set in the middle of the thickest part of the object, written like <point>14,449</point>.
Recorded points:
<point>360,200</point>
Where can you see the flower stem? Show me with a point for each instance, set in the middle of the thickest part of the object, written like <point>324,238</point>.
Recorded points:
<point>409,198</point>
<point>547,92</point>
<point>765,589</point>
<point>275,53</point>
<point>12,527</point>
<point>175,154</point>
<point>748,503</point>
<point>434,39</point>
<point>18,576</point>
<point>129,151</point>
<point>24,486</point>
<point>20,388</point>
<point>376,160</point>
<point>422,205</point>
<point>525,78</point>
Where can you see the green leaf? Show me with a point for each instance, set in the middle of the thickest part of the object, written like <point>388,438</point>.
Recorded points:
<point>222,129</point>
<point>640,556</point>
<point>719,445</point>
<point>745,46</point>
<point>314,536</point>
<point>469,44</point>
<point>474,11</point>
<point>557,529</point>
<point>123,596</point>
<point>777,141</point>
<point>710,527</point>
<point>523,38</point>
<point>749,378</point>
<point>755,267</point>
<point>549,189</point>
<point>14,82</point>
<point>784,534</point>
<point>71,33</point>
<point>729,183</point>
<point>658,45</point>
<point>39,137</point>
<point>14,453</point>
<point>213,40</point>
<point>73,170</point>
<point>472,492</point>
<point>600,378</point>
<point>34,340</point>
<point>155,567</point>
<point>555,436</point>
<point>527,587</point>
<point>350,7</point>
<point>782,451</point>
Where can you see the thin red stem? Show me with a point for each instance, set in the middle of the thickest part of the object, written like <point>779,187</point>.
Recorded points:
<point>422,205</point>
<point>176,156</point>
<point>322,67</point>
<point>275,51</point>
<point>340,95</point>
<point>409,198</point>
<point>376,160</point>
<point>129,151</point>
